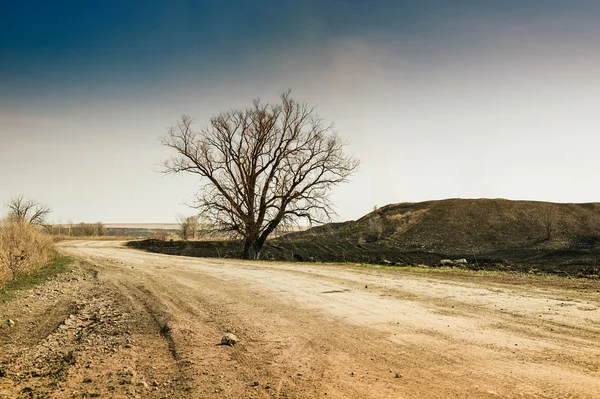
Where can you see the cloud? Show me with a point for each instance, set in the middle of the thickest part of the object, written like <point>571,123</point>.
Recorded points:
<point>31,121</point>
<point>343,64</point>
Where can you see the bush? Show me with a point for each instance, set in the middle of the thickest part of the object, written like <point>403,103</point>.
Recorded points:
<point>160,235</point>
<point>88,230</point>
<point>23,248</point>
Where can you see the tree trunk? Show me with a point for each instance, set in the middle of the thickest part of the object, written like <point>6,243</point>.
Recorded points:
<point>252,247</point>
<point>254,243</point>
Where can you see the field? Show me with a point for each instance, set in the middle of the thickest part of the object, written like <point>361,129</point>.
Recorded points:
<point>128,323</point>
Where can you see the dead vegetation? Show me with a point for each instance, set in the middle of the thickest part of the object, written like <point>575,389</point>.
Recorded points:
<point>495,234</point>
<point>462,226</point>
<point>23,248</point>
<point>267,166</point>
<point>28,210</point>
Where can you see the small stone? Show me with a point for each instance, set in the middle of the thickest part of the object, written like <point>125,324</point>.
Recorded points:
<point>10,322</point>
<point>255,384</point>
<point>300,374</point>
<point>352,374</point>
<point>398,375</point>
<point>87,380</point>
<point>229,339</point>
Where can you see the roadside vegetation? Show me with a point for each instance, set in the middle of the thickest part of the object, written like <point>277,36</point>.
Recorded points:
<point>56,265</point>
<point>77,230</point>
<point>27,256</point>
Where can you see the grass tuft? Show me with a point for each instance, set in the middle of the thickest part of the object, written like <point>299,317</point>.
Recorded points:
<point>22,281</point>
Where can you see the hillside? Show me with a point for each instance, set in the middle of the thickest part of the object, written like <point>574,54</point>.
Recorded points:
<point>471,226</point>
<point>489,233</point>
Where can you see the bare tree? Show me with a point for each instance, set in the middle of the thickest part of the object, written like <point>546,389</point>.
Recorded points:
<point>87,229</point>
<point>99,229</point>
<point>160,235</point>
<point>28,210</point>
<point>260,167</point>
<point>188,226</point>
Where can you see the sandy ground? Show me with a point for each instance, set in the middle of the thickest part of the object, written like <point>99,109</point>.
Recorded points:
<point>127,323</point>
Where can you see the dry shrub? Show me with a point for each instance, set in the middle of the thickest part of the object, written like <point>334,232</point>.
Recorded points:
<point>159,235</point>
<point>23,248</point>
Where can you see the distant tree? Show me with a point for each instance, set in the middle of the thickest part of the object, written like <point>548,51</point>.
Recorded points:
<point>188,226</point>
<point>99,229</point>
<point>28,210</point>
<point>87,229</point>
<point>159,235</point>
<point>260,167</point>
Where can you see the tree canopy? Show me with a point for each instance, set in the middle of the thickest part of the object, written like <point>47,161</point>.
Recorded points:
<point>28,210</point>
<point>260,167</point>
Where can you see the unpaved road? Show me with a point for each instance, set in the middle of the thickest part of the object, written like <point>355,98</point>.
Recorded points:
<point>127,323</point>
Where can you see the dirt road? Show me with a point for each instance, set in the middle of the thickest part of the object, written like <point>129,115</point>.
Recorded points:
<point>127,323</point>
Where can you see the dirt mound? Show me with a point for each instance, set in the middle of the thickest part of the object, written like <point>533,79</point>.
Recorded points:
<point>472,226</point>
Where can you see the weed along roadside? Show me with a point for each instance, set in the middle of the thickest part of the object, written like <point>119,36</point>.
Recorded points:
<point>24,248</point>
<point>23,281</point>
<point>27,254</point>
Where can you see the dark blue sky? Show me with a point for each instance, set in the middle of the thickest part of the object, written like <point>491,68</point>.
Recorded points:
<point>47,44</point>
<point>88,83</point>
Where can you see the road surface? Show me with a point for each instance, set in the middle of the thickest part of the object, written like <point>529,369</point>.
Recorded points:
<point>130,323</point>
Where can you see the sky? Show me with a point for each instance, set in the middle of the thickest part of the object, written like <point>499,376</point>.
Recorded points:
<point>438,99</point>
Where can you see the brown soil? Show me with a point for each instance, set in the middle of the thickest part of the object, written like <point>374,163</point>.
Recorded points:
<point>127,323</point>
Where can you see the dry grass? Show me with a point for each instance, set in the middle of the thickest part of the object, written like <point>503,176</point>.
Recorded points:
<point>23,249</point>
<point>58,264</point>
<point>468,226</point>
<point>57,238</point>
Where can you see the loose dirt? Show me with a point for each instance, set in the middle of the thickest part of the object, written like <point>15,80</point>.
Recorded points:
<point>126,323</point>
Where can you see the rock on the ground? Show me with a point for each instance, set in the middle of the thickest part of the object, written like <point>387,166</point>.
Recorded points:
<point>229,339</point>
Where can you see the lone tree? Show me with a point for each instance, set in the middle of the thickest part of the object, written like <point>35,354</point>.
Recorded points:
<point>28,210</point>
<point>260,167</point>
<point>188,226</point>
